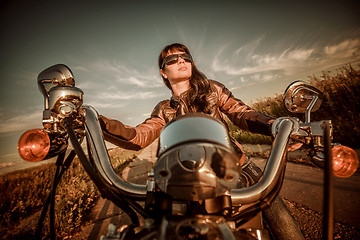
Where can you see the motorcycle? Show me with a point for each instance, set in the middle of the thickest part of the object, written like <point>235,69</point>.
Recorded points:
<point>193,190</point>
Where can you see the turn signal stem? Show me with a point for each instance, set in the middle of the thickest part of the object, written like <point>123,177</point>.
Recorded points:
<point>328,220</point>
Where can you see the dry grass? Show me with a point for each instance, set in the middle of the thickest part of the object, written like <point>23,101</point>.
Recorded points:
<point>23,194</point>
<point>341,104</point>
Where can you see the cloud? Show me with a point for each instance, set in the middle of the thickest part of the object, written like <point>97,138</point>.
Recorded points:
<point>256,62</point>
<point>248,49</point>
<point>130,95</point>
<point>88,85</point>
<point>107,105</point>
<point>21,122</point>
<point>7,164</point>
<point>343,49</point>
<point>113,70</point>
<point>254,79</point>
<point>249,60</point>
<point>111,84</point>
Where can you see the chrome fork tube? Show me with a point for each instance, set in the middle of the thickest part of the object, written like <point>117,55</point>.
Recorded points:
<point>272,170</point>
<point>102,159</point>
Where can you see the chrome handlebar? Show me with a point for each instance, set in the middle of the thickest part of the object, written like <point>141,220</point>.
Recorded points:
<point>273,168</point>
<point>101,156</point>
<point>265,186</point>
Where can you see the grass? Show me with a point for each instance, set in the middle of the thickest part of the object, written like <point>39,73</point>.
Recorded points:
<point>24,192</point>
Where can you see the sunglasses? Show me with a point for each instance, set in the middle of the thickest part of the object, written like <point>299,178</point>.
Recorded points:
<point>172,59</point>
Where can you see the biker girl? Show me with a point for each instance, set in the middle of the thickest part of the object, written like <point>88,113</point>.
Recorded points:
<point>191,92</point>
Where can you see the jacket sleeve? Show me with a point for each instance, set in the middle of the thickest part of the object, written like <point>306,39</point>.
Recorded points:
<point>133,138</point>
<point>242,115</point>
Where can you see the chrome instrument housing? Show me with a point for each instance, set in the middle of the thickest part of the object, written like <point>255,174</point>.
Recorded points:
<point>65,100</point>
<point>195,159</point>
<point>193,127</point>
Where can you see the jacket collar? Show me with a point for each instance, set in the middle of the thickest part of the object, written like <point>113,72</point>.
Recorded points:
<point>181,96</point>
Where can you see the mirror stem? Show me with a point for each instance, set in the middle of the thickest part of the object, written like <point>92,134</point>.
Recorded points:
<point>309,108</point>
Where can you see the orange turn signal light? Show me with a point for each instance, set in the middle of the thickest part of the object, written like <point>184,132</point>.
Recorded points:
<point>34,145</point>
<point>345,161</point>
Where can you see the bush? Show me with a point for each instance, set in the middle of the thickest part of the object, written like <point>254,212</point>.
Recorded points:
<point>341,105</point>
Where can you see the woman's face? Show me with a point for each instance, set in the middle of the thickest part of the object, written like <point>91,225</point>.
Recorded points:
<point>177,71</point>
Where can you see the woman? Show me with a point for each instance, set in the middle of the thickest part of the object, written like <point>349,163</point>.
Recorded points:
<point>191,92</point>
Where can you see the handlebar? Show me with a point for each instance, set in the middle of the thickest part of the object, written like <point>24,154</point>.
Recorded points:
<point>265,186</point>
<point>102,159</point>
<point>273,168</point>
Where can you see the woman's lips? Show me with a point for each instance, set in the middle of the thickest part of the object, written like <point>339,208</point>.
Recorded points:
<point>183,69</point>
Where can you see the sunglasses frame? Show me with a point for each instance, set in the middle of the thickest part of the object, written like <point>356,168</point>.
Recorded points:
<point>174,58</point>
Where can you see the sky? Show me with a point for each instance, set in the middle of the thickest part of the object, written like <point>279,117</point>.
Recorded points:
<point>256,48</point>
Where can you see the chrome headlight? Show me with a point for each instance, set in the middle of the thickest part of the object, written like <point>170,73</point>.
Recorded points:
<point>195,159</point>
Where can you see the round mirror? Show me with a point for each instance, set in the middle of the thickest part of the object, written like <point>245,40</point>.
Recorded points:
<point>299,96</point>
<point>57,75</point>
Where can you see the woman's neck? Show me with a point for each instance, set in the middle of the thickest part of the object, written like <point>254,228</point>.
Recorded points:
<point>180,87</point>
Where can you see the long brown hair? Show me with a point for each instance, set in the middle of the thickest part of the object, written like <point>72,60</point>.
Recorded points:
<point>199,84</point>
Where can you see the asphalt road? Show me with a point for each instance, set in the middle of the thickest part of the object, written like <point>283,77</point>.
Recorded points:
<point>304,184</point>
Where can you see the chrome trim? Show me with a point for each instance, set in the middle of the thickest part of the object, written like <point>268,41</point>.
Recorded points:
<point>193,127</point>
<point>298,96</point>
<point>102,159</point>
<point>310,107</point>
<point>57,75</point>
<point>60,97</point>
<point>272,170</point>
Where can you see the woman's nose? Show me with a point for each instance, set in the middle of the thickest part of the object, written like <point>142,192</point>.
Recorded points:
<point>180,59</point>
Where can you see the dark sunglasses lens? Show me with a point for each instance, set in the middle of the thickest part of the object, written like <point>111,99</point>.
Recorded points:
<point>186,57</point>
<point>172,59</point>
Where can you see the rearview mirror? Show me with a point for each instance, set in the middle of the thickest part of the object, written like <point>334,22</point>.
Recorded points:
<point>57,75</point>
<point>301,97</point>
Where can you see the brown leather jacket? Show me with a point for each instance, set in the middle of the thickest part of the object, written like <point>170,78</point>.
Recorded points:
<point>139,137</point>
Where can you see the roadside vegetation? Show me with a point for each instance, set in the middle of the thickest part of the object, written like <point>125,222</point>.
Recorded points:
<point>23,192</point>
<point>341,105</point>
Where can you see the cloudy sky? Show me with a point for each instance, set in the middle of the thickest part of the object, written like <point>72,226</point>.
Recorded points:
<point>256,48</point>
